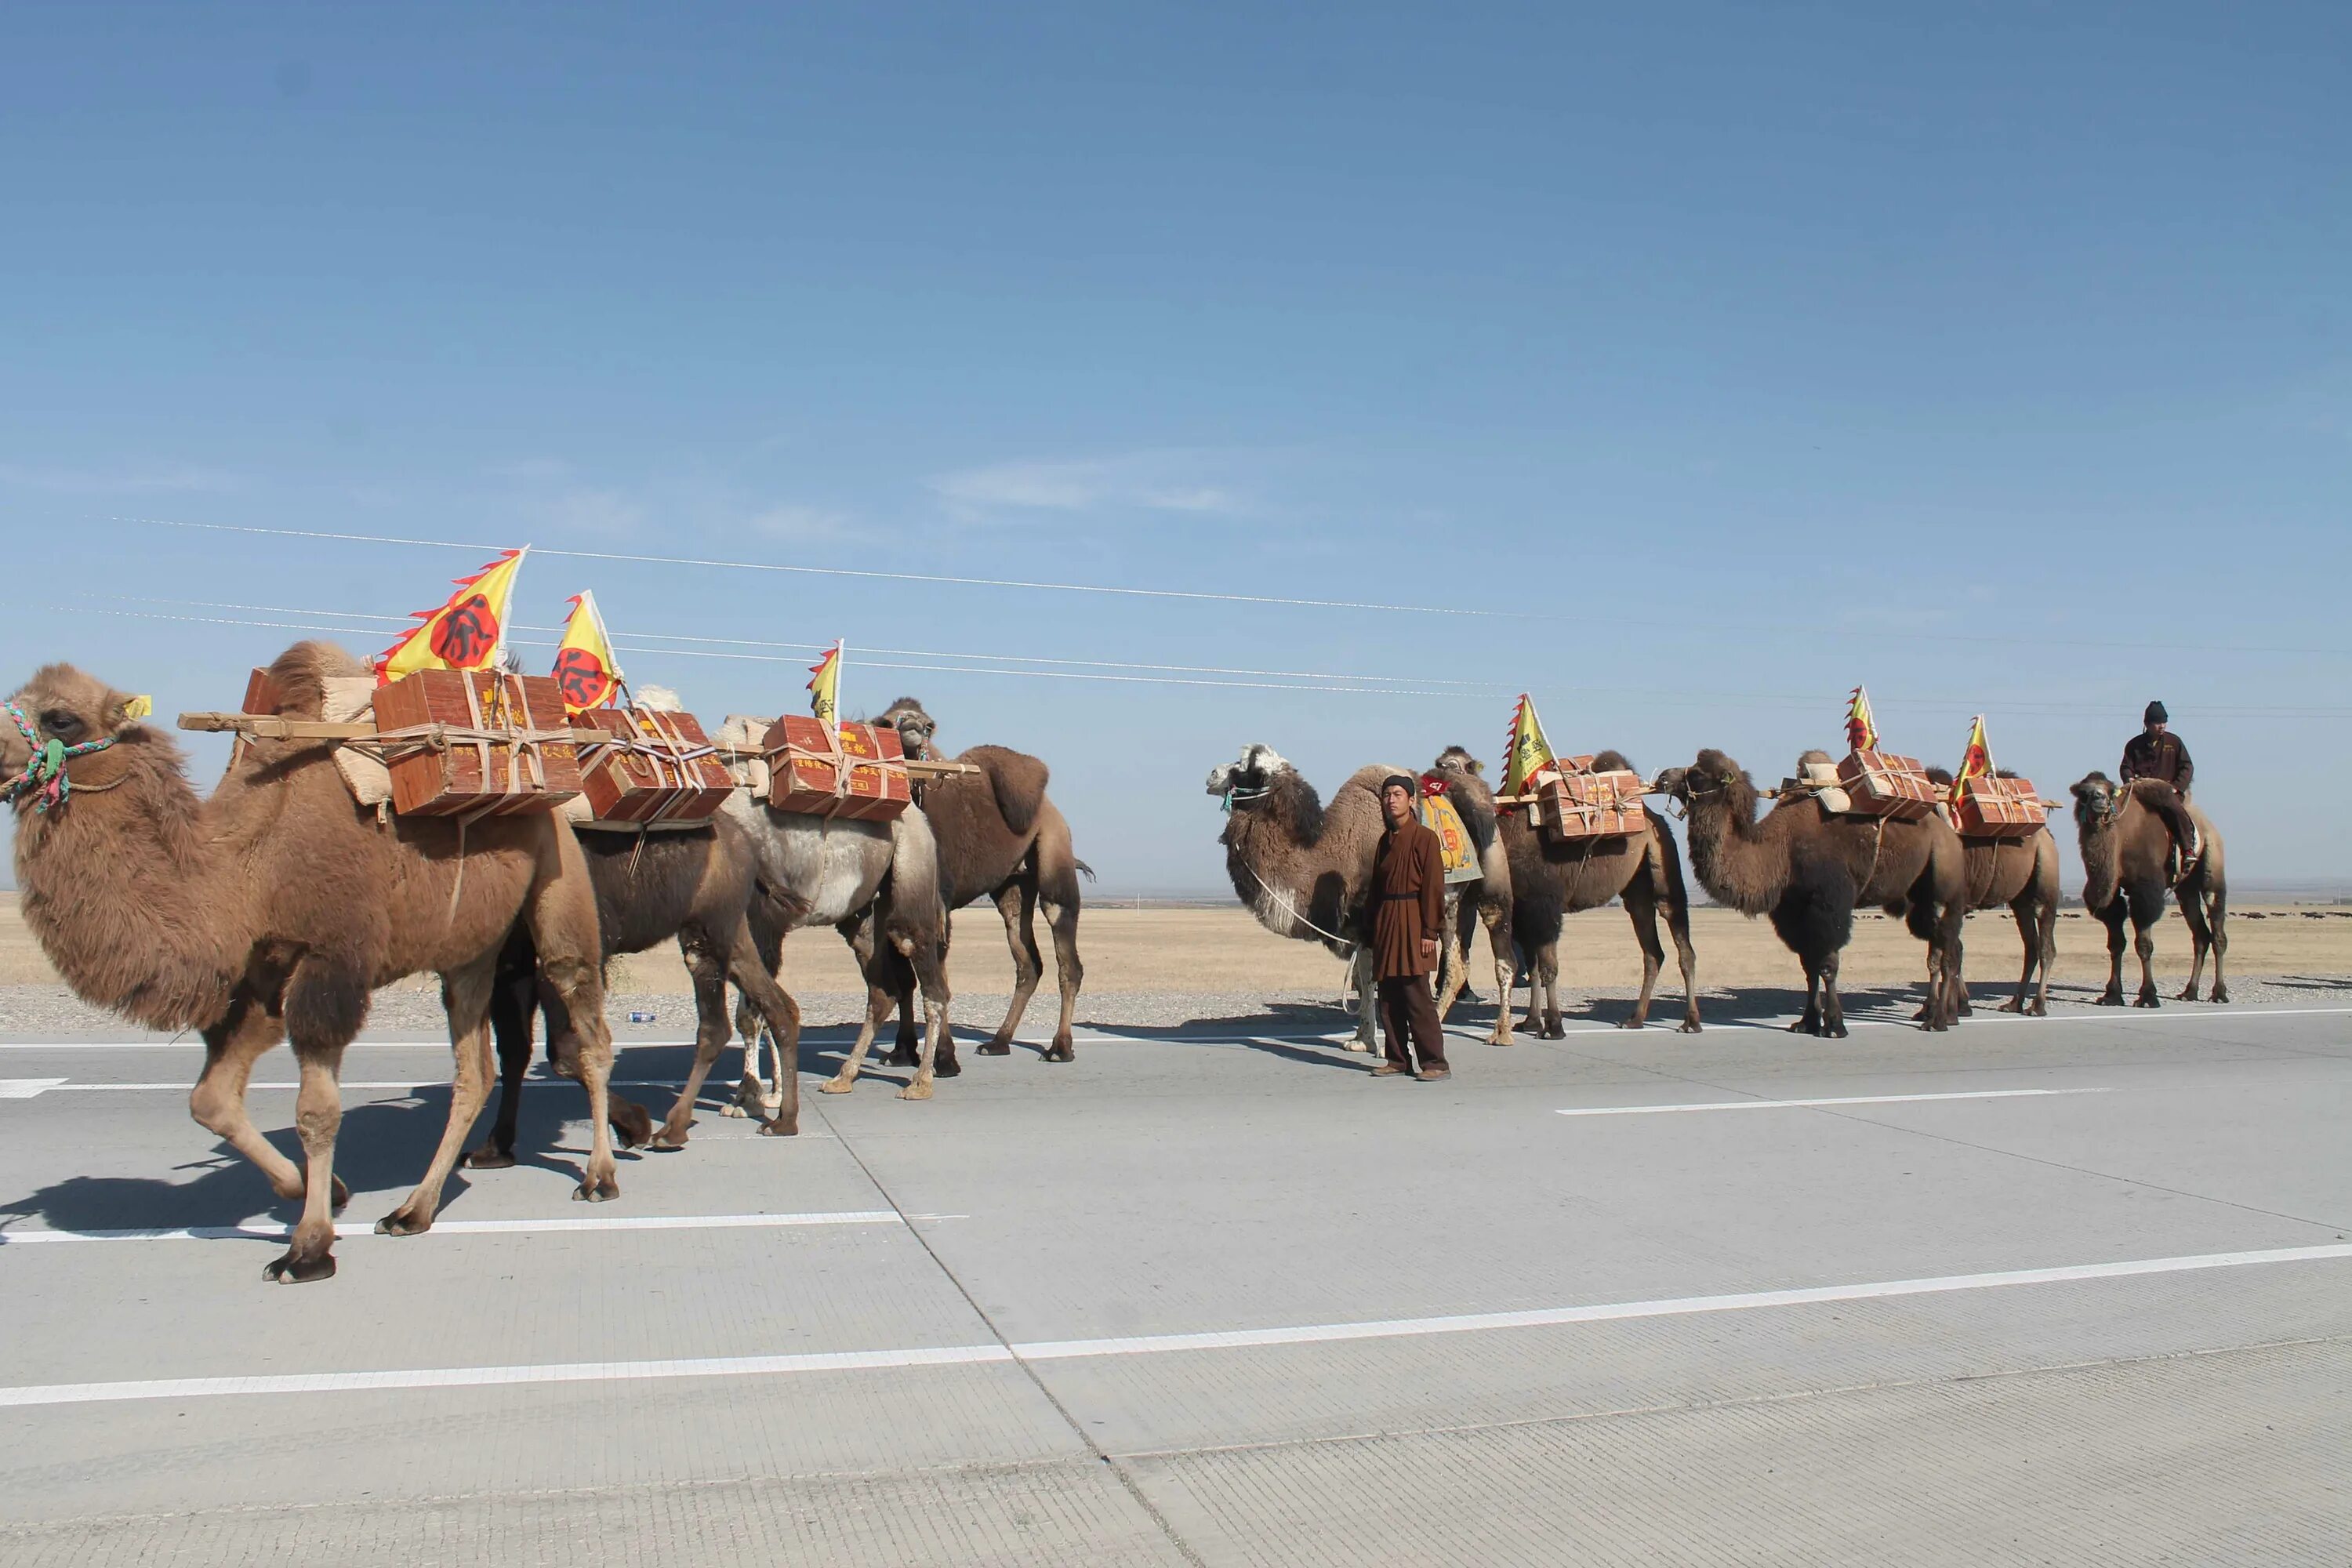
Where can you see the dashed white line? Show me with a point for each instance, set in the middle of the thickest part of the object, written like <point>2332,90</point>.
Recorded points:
<point>1143,1345</point>
<point>1837,1099</point>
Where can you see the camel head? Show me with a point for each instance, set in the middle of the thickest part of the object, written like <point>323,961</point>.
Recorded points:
<point>1245,779</point>
<point>915,727</point>
<point>1458,759</point>
<point>2098,802</point>
<point>1711,774</point>
<point>62,704</point>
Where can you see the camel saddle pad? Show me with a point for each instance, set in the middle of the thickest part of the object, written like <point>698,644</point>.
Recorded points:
<point>1882,783</point>
<point>1439,816</point>
<point>348,700</point>
<point>862,777</point>
<point>1986,807</point>
<point>476,743</point>
<point>658,766</point>
<point>1586,804</point>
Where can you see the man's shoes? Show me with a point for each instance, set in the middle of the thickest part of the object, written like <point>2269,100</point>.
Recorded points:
<point>1434,1075</point>
<point>1388,1070</point>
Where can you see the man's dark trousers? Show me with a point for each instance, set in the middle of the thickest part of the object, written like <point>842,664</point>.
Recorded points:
<point>1407,1008</point>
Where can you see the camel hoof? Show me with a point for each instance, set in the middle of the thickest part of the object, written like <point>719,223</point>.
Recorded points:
<point>603,1192</point>
<point>400,1222</point>
<point>1626,1024</point>
<point>731,1108</point>
<point>1060,1051</point>
<point>2037,1011</point>
<point>908,1057</point>
<point>836,1085</point>
<point>2009,1006</point>
<point>1690,1027</point>
<point>2114,999</point>
<point>1363,1046</point>
<point>947,1068</point>
<point>293,1270</point>
<point>2220,995</point>
<point>918,1089</point>
<point>992,1049</point>
<point>632,1124</point>
<point>490,1157</point>
<point>2187,995</point>
<point>779,1128</point>
<point>667,1141</point>
<point>2149,1001</point>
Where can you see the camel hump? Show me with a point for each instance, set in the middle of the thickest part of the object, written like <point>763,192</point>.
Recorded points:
<point>299,677</point>
<point>1017,779</point>
<point>1612,762</point>
<point>1940,776</point>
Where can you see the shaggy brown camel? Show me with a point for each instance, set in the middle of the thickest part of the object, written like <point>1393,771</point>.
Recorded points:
<point>2021,874</point>
<point>1000,837</point>
<point>1551,880</point>
<point>1807,869</point>
<point>275,907</point>
<point>696,885</point>
<point>2129,835</point>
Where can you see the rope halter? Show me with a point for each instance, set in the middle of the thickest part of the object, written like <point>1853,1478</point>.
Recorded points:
<point>45,779</point>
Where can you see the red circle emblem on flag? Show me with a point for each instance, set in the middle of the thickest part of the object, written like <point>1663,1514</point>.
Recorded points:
<point>582,676</point>
<point>465,632</point>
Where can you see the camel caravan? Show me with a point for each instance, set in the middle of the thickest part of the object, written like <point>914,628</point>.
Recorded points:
<point>1877,830</point>
<point>435,811</point>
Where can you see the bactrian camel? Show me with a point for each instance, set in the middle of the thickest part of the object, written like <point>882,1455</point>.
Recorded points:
<point>1303,870</point>
<point>1001,838</point>
<point>835,871</point>
<point>1807,869</point>
<point>2022,875</point>
<point>2131,835</point>
<point>695,885</point>
<point>1552,879</point>
<point>274,908</point>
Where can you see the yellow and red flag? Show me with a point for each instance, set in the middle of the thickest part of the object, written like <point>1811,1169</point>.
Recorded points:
<point>1861,729</point>
<point>1529,752</point>
<point>470,632</point>
<point>585,670</point>
<point>1976,762</point>
<point>824,689</point>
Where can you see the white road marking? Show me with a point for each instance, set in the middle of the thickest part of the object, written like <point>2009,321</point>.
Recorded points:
<point>1142,1344</point>
<point>1840,1100</point>
<point>60,1086</point>
<point>355,1230</point>
<point>27,1087</point>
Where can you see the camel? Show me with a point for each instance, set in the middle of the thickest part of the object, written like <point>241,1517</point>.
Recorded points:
<point>1000,837</point>
<point>696,885</point>
<point>2021,874</point>
<point>1303,869</point>
<point>1807,869</point>
<point>276,907</point>
<point>1552,879</point>
<point>2128,834</point>
<point>836,872</point>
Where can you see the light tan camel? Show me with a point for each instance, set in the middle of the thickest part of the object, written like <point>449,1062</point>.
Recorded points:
<point>1000,837</point>
<point>2021,874</point>
<point>1552,879</point>
<point>1807,869</point>
<point>2130,835</point>
<point>275,907</point>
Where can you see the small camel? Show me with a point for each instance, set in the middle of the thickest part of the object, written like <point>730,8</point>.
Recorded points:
<point>275,907</point>
<point>2129,836</point>
<point>1552,879</point>
<point>2022,875</point>
<point>1807,869</point>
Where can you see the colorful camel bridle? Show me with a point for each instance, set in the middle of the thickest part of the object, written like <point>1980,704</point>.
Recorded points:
<point>44,780</point>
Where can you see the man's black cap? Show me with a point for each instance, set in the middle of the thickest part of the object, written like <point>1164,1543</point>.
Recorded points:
<point>1395,779</point>
<point>2156,715</point>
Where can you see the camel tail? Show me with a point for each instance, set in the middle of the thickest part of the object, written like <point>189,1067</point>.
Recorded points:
<point>1088,871</point>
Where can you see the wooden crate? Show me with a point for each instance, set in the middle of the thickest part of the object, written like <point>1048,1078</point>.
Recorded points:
<point>659,767</point>
<point>1999,809</point>
<point>865,780</point>
<point>1585,805</point>
<point>508,743</point>
<point>1882,783</point>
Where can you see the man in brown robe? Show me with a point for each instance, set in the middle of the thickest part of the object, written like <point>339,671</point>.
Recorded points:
<point>2156,753</point>
<point>1408,895</point>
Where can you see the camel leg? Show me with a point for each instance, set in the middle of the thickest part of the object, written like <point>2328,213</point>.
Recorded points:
<point>1543,970</point>
<point>514,994</point>
<point>931,969</point>
<point>217,1100</point>
<point>562,912</point>
<point>1810,1023</point>
<point>747,968</point>
<point>1687,957</point>
<point>2112,917</point>
<point>1070,972</point>
<point>2046,942</point>
<point>1017,902</point>
<point>1452,960</point>
<point>2144,912</point>
<point>1360,982</point>
<point>465,993</point>
<point>710,1031</point>
<point>879,1004</point>
<point>1498,943</point>
<point>2200,940</point>
<point>1642,909</point>
<point>1833,1017</point>
<point>2024,909</point>
<point>318,1113</point>
<point>2217,917</point>
<point>752,1099</point>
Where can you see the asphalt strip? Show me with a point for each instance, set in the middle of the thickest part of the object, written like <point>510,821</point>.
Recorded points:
<point>190,1388</point>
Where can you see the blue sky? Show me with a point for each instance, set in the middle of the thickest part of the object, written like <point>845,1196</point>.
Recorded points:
<point>1718,358</point>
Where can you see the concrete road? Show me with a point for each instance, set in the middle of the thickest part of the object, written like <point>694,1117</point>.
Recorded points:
<point>2075,1291</point>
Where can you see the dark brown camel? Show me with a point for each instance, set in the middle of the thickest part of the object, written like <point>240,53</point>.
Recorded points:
<point>2021,874</point>
<point>1550,880</point>
<point>2131,835</point>
<point>696,885</point>
<point>277,907</point>
<point>1808,868</point>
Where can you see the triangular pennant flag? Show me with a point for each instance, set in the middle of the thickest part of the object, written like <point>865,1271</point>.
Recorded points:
<point>468,632</point>
<point>1861,729</point>
<point>825,688</point>
<point>1976,762</point>
<point>585,670</point>
<point>1530,752</point>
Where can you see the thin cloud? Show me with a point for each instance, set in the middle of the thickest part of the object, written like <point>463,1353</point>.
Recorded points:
<point>179,480</point>
<point>1138,481</point>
